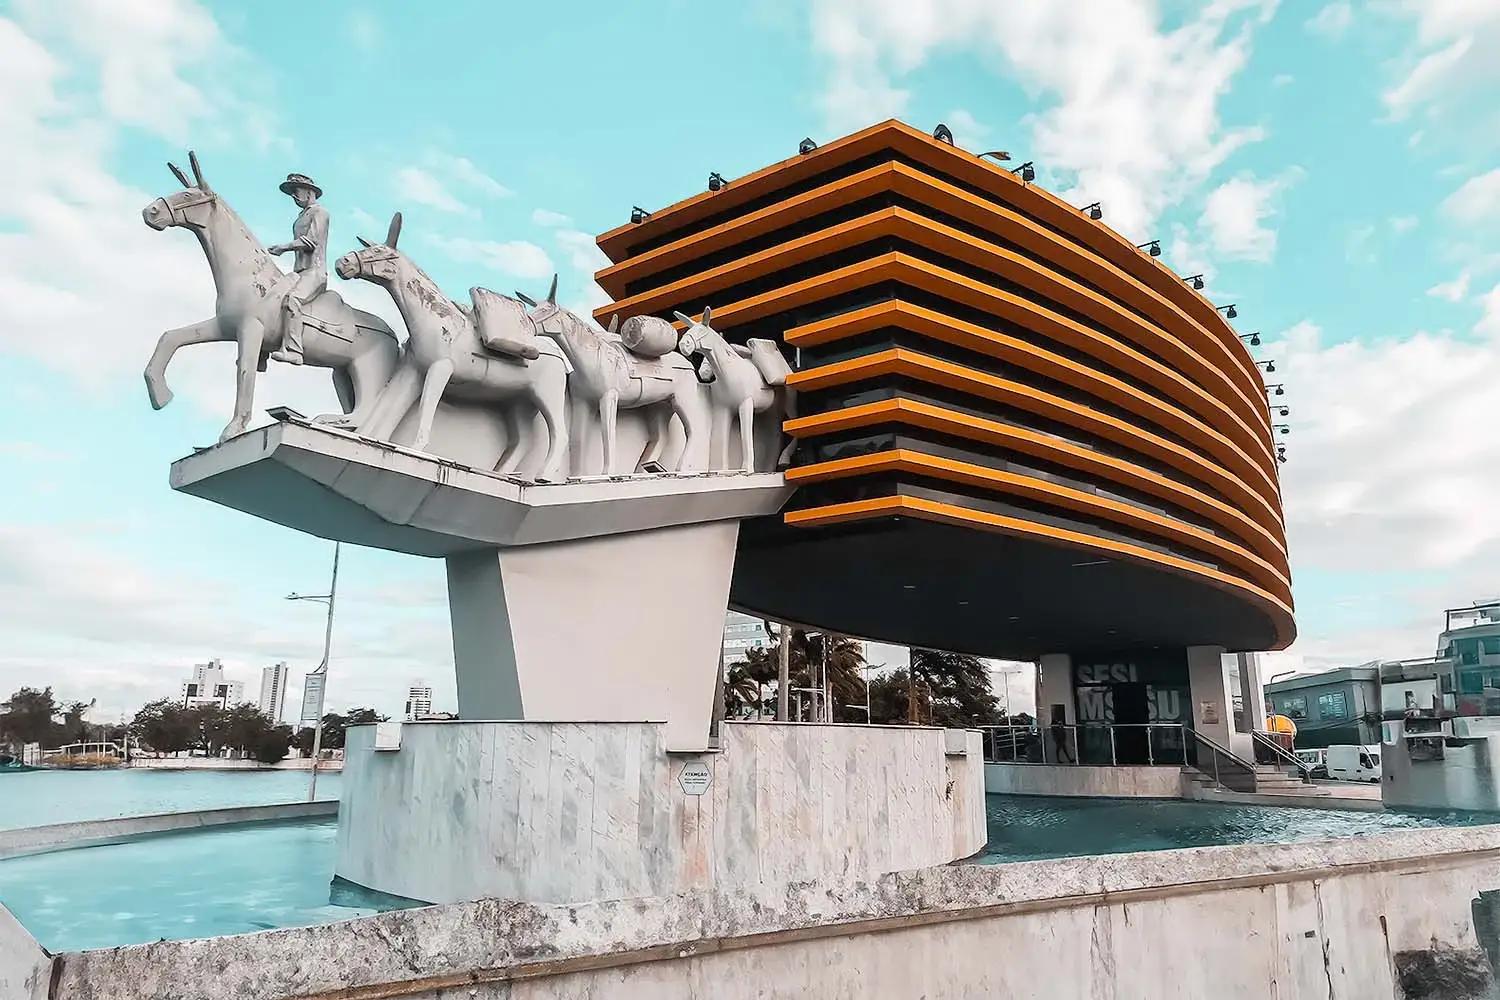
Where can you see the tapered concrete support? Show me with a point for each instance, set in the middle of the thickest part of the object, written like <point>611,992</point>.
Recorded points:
<point>617,628</point>
<point>1213,711</point>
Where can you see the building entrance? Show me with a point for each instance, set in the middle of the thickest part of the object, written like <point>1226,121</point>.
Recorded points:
<point>1120,697</point>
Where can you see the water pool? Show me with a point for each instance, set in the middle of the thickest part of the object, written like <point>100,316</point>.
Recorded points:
<point>188,885</point>
<point>36,798</point>
<point>1026,828</point>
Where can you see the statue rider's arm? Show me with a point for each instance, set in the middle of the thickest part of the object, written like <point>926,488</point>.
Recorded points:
<point>316,235</point>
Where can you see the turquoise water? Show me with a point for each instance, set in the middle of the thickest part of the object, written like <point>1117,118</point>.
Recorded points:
<point>253,878</point>
<point>36,798</point>
<point>1025,828</point>
<point>188,885</point>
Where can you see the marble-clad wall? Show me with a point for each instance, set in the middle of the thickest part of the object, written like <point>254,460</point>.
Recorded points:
<point>568,812</point>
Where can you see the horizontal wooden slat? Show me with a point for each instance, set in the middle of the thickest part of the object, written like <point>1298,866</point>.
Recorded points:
<point>917,463</point>
<point>1278,610</point>
<point>1257,520</point>
<point>911,364</point>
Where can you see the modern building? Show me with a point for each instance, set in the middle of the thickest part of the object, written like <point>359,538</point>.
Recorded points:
<point>1331,707</point>
<point>418,700</point>
<point>208,686</point>
<point>273,691</point>
<point>991,379</point>
<point>1462,677</point>
<point>741,633</point>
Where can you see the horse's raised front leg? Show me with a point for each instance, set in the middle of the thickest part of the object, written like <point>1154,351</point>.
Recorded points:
<point>433,385</point>
<point>252,332</point>
<point>203,332</point>
<point>609,405</point>
<point>747,433</point>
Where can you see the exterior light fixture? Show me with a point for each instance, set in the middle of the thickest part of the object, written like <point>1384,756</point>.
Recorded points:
<point>1153,247</point>
<point>1027,171</point>
<point>998,154</point>
<point>1280,454</point>
<point>716,181</point>
<point>1229,311</point>
<point>1196,280</point>
<point>1254,338</point>
<point>806,146</point>
<point>1283,428</point>
<point>1284,411</point>
<point>943,134</point>
<point>1096,211</point>
<point>1270,367</point>
<point>1280,390</point>
<point>638,214</point>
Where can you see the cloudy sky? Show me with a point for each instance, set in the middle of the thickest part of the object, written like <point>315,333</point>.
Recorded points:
<point>1334,169</point>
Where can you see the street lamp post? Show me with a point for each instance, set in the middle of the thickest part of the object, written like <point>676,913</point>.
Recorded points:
<point>322,668</point>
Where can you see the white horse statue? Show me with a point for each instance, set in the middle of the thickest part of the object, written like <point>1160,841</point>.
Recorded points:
<point>608,377</point>
<point>746,381</point>
<point>358,346</point>
<point>445,356</point>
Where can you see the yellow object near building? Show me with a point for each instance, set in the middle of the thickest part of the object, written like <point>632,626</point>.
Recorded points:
<point>1281,725</point>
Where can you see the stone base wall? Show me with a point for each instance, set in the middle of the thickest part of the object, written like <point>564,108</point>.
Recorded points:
<point>1401,915</point>
<point>573,812</point>
<point>1081,780</point>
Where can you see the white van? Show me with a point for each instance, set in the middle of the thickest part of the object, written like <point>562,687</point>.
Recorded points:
<point>1354,763</point>
<point>1315,761</point>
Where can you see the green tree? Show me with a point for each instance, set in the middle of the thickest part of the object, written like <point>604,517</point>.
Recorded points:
<point>74,729</point>
<point>272,744</point>
<point>26,717</point>
<point>959,686</point>
<point>165,727</point>
<point>893,701</point>
<point>751,684</point>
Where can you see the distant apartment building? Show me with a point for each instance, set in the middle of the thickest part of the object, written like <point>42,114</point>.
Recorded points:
<point>1331,707</point>
<point>273,692</point>
<point>418,701</point>
<point>1462,677</point>
<point>741,633</point>
<point>208,686</point>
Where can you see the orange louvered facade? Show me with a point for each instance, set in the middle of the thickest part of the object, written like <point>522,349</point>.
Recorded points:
<point>1016,432</point>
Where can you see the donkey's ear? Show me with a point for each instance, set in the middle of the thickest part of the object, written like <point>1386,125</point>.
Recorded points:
<point>708,315</point>
<point>394,233</point>
<point>526,299</point>
<point>197,171</point>
<point>614,323</point>
<point>552,292</point>
<point>683,317</point>
<point>364,242</point>
<point>177,173</point>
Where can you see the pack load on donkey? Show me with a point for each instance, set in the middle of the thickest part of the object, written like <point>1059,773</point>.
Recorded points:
<point>494,318</point>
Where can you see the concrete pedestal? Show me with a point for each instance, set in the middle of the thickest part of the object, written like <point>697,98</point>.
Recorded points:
<point>592,600</point>
<point>616,627</point>
<point>575,812</point>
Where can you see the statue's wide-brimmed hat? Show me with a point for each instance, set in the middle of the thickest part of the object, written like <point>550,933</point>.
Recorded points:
<point>295,181</point>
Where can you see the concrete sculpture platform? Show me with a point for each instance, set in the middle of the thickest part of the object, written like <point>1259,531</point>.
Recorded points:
<point>568,813</point>
<point>589,600</point>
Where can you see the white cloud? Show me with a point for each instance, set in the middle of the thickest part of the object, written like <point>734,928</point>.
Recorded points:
<point>365,31</point>
<point>419,186</point>
<point>967,130</point>
<point>1453,55</point>
<point>1477,199</point>
<point>444,181</point>
<point>516,258</point>
<point>1390,481</point>
<point>548,218</point>
<point>1332,21</point>
<point>1403,223</point>
<point>1283,80</point>
<point>1453,291</point>
<point>1236,215</point>
<point>1128,107</point>
<point>1489,320</point>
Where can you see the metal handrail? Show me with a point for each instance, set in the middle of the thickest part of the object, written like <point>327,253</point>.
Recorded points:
<point>1281,752</point>
<point>1215,752</point>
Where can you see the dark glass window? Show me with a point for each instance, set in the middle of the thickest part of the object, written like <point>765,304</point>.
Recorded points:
<point>1470,682</point>
<point>1468,651</point>
<point>1490,644</point>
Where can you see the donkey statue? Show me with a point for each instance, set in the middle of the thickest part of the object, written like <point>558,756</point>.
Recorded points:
<point>746,381</point>
<point>445,355</point>
<point>358,346</point>
<point>608,377</point>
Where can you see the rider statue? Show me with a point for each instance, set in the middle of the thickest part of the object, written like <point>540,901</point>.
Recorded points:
<point>310,244</point>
